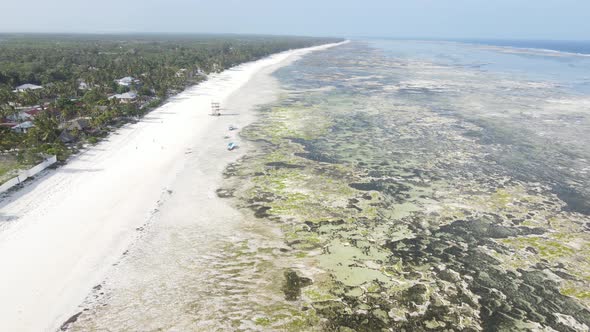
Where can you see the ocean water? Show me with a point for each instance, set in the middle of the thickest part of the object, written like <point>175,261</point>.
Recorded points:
<point>405,186</point>
<point>565,66</point>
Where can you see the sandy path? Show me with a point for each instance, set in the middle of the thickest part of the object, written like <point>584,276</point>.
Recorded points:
<point>66,230</point>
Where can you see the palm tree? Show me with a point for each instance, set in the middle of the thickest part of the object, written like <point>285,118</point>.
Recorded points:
<point>46,129</point>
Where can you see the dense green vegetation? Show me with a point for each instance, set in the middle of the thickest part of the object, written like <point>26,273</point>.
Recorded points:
<point>79,72</point>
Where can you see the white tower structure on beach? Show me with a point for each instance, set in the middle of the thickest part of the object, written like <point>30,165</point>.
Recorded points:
<point>215,108</point>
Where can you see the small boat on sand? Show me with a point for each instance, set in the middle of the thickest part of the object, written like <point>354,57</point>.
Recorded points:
<point>231,146</point>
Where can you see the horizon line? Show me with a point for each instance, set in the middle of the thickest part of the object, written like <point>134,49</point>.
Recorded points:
<point>344,36</point>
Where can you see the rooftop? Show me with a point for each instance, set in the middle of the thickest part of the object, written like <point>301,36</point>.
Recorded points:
<point>127,95</point>
<point>27,86</point>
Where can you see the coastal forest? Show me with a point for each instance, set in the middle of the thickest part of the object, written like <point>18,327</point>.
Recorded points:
<point>59,92</point>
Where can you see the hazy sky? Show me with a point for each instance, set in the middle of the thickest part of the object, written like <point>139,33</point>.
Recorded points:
<point>538,19</point>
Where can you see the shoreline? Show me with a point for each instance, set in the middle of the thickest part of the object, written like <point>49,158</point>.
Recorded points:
<point>72,225</point>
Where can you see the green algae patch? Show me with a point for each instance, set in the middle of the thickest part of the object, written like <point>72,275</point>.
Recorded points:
<point>318,294</point>
<point>546,248</point>
<point>295,121</point>
<point>287,318</point>
<point>263,321</point>
<point>582,294</point>
<point>353,266</point>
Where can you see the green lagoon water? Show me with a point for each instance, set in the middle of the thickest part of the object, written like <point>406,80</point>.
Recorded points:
<point>423,187</point>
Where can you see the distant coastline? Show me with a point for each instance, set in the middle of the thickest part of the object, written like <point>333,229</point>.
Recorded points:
<point>565,47</point>
<point>562,46</point>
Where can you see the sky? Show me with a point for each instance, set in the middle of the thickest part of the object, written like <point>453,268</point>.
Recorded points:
<point>502,19</point>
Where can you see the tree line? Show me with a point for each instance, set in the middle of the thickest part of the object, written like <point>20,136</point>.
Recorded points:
<point>78,74</point>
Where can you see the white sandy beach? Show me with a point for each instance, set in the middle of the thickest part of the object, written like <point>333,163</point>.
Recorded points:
<point>62,233</point>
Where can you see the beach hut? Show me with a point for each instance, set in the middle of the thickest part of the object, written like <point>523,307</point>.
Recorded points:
<point>127,81</point>
<point>125,98</point>
<point>23,127</point>
<point>25,87</point>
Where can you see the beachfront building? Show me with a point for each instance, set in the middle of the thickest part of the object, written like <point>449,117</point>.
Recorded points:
<point>83,86</point>
<point>23,127</point>
<point>181,72</point>
<point>33,111</point>
<point>125,98</point>
<point>71,129</point>
<point>81,123</point>
<point>25,113</point>
<point>127,81</point>
<point>25,87</point>
<point>19,116</point>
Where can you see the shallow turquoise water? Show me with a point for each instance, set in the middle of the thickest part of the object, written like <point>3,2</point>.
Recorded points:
<point>570,71</point>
